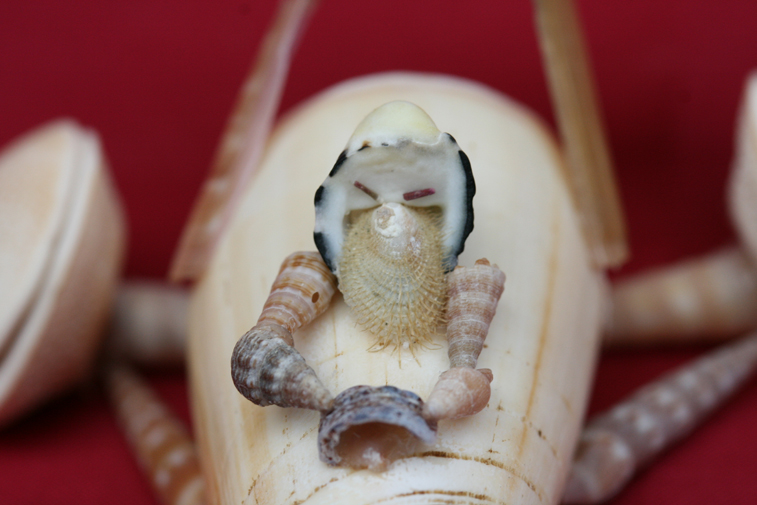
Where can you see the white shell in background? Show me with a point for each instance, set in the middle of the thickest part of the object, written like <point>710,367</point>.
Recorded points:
<point>60,255</point>
<point>743,185</point>
<point>541,345</point>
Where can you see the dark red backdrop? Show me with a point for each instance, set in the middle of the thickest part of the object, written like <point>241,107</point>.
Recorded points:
<point>157,80</point>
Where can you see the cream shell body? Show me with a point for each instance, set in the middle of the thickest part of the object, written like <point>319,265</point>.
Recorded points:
<point>541,346</point>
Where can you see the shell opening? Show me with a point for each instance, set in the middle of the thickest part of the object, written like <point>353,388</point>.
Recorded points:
<point>369,427</point>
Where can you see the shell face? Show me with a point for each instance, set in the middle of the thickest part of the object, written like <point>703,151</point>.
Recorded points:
<point>393,273</point>
<point>397,155</point>
<point>391,219</point>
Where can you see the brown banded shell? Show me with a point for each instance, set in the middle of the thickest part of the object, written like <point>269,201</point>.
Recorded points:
<point>161,443</point>
<point>265,366</point>
<point>369,427</point>
<point>714,296</point>
<point>300,293</point>
<point>615,444</point>
<point>473,296</point>
<point>392,273</point>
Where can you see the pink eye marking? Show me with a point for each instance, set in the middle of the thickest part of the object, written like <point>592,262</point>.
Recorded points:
<point>412,195</point>
<point>367,191</point>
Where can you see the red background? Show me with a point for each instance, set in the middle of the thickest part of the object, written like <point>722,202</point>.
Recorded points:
<point>158,79</point>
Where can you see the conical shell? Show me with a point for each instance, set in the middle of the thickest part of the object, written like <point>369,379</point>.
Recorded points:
<point>300,293</point>
<point>392,273</point>
<point>711,297</point>
<point>161,443</point>
<point>267,370</point>
<point>459,392</point>
<point>473,296</point>
<point>265,366</point>
<point>149,324</point>
<point>616,443</point>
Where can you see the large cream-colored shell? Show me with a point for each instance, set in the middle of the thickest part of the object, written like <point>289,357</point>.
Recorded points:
<point>541,346</point>
<point>743,184</point>
<point>61,246</point>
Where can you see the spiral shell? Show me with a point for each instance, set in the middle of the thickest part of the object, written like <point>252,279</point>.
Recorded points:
<point>392,273</point>
<point>300,293</point>
<point>473,296</point>
<point>265,366</point>
<point>616,443</point>
<point>459,392</point>
<point>162,444</point>
<point>711,296</point>
<point>369,427</point>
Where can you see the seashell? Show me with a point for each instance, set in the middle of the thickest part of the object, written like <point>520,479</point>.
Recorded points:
<point>268,370</point>
<point>742,188</point>
<point>300,293</point>
<point>710,297</point>
<point>62,244</point>
<point>396,154</point>
<point>243,141</point>
<point>369,427</point>
<point>149,324</point>
<point>615,444</point>
<point>714,296</point>
<point>265,366</point>
<point>162,445</point>
<point>392,274</point>
<point>517,451</point>
<point>473,296</point>
<point>459,392</point>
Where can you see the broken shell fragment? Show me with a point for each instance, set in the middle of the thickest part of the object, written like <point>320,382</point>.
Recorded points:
<point>369,427</point>
<point>473,296</point>
<point>459,392</point>
<point>396,154</point>
<point>265,366</point>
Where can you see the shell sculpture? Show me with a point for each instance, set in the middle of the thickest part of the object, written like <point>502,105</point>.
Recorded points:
<point>527,386</point>
<point>615,444</point>
<point>391,264</point>
<point>160,442</point>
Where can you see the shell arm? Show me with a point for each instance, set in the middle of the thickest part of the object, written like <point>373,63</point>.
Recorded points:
<point>473,296</point>
<point>265,366</point>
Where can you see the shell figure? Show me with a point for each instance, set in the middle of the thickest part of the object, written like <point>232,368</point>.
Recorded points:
<point>391,262</point>
<point>391,219</point>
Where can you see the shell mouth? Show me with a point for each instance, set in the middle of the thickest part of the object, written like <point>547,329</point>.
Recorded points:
<point>369,427</point>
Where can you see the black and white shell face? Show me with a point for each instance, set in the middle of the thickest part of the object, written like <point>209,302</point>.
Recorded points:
<point>396,154</point>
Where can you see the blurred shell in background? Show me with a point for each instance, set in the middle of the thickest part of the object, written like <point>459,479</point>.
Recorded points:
<point>61,252</point>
